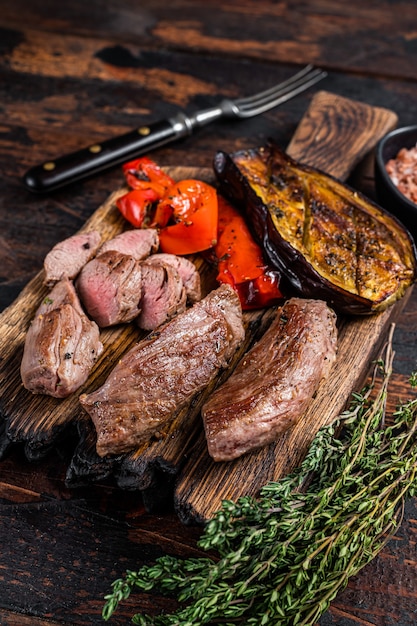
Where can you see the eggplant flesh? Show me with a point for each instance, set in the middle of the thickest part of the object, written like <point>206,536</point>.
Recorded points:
<point>327,240</point>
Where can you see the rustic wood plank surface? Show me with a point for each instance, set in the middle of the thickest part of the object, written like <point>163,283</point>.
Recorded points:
<point>38,421</point>
<point>75,73</point>
<point>330,124</point>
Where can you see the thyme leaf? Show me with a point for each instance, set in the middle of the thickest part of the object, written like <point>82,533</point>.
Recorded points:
<point>284,556</point>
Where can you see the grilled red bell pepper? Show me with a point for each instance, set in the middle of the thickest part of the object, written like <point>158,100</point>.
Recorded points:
<point>187,217</point>
<point>143,173</point>
<point>148,184</point>
<point>241,263</point>
<point>191,217</point>
<point>136,206</point>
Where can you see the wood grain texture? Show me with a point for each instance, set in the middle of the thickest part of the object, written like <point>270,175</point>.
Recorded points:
<point>147,59</point>
<point>372,37</point>
<point>39,421</point>
<point>130,77</point>
<point>336,133</point>
<point>329,123</point>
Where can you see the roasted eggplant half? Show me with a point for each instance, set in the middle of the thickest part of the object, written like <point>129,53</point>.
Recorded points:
<point>327,240</point>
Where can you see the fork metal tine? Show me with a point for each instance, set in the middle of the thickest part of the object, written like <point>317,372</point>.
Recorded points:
<point>278,91</point>
<point>253,105</point>
<point>302,74</point>
<point>259,103</point>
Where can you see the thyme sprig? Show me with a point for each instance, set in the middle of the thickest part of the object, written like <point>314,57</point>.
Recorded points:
<point>284,556</point>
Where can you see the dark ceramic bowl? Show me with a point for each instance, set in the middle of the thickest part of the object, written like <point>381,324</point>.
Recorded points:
<point>387,193</point>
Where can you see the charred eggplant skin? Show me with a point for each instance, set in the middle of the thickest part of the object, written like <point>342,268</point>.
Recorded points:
<point>244,177</point>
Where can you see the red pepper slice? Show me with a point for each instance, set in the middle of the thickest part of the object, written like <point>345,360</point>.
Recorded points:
<point>193,206</point>
<point>238,254</point>
<point>143,173</point>
<point>241,263</point>
<point>163,213</point>
<point>260,292</point>
<point>136,206</point>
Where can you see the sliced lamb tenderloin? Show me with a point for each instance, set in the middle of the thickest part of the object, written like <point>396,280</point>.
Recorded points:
<point>273,384</point>
<point>185,268</point>
<point>138,243</point>
<point>162,373</point>
<point>61,345</point>
<point>163,295</point>
<point>110,288</point>
<point>67,257</point>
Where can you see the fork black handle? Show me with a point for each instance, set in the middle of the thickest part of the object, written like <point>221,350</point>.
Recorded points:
<point>98,157</point>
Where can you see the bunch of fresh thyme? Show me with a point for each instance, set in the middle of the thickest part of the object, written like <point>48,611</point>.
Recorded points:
<point>284,556</point>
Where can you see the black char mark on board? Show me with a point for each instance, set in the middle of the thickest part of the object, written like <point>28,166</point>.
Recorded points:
<point>119,56</point>
<point>9,40</point>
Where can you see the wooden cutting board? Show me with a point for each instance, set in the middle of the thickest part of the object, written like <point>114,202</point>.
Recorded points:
<point>334,135</point>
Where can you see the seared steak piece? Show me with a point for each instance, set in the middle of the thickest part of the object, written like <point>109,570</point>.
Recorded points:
<point>138,243</point>
<point>163,295</point>
<point>185,268</point>
<point>110,288</point>
<point>275,381</point>
<point>61,345</point>
<point>66,259</point>
<point>162,373</point>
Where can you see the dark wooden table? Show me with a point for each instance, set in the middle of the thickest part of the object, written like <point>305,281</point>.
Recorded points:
<point>75,73</point>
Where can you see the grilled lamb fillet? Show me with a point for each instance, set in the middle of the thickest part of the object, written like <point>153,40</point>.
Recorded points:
<point>61,345</point>
<point>274,383</point>
<point>110,288</point>
<point>185,268</point>
<point>163,295</point>
<point>138,243</point>
<point>68,257</point>
<point>162,373</point>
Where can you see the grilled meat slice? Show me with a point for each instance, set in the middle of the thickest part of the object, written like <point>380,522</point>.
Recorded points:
<point>61,345</point>
<point>162,373</point>
<point>163,295</point>
<point>138,243</point>
<point>327,240</point>
<point>127,281</point>
<point>274,383</point>
<point>68,257</point>
<point>110,288</point>
<point>185,268</point>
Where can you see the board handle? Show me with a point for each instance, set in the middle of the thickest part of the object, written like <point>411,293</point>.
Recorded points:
<point>336,133</point>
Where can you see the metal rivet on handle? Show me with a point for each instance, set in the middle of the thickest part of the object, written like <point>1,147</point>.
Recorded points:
<point>144,130</point>
<point>50,165</point>
<point>96,148</point>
